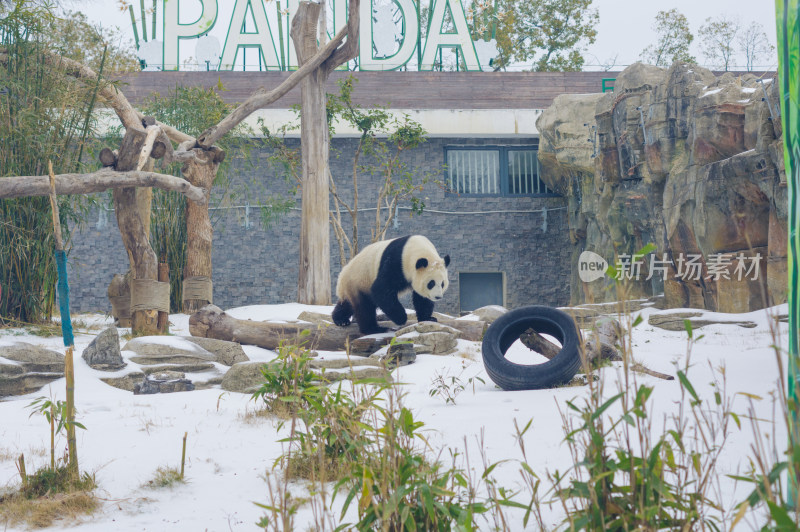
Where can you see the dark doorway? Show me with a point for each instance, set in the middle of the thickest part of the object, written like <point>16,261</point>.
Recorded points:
<point>477,290</point>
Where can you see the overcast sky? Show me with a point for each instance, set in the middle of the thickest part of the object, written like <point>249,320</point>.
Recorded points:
<point>625,26</point>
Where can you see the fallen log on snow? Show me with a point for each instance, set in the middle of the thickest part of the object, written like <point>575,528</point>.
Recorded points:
<point>212,322</point>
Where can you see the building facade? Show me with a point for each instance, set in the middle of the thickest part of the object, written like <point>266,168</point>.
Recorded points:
<point>506,234</point>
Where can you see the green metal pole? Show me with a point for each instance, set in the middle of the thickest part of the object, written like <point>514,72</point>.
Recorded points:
<point>419,37</point>
<point>788,25</point>
<point>280,38</point>
<point>133,25</point>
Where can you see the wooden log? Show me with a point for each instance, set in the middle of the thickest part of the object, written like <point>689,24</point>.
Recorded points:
<point>471,330</point>
<point>99,181</point>
<point>536,342</point>
<point>211,322</point>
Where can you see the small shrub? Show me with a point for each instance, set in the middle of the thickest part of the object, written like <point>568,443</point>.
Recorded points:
<point>446,387</point>
<point>165,477</point>
<point>287,380</point>
<point>398,488</point>
<point>48,481</point>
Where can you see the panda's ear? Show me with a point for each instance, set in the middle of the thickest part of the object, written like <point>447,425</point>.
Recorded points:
<point>421,263</point>
<point>446,261</point>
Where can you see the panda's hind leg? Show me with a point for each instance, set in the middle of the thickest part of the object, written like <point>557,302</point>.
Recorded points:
<point>342,313</point>
<point>364,309</point>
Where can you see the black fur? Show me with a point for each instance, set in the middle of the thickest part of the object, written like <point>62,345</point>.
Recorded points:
<point>390,282</point>
<point>342,313</point>
<point>423,306</point>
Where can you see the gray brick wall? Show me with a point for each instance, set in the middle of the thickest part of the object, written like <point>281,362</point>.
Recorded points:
<point>254,265</point>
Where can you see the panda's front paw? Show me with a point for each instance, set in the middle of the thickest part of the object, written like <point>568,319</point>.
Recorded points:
<point>429,318</point>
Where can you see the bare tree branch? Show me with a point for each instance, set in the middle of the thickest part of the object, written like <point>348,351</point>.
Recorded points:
<point>99,181</point>
<point>350,49</point>
<point>262,97</point>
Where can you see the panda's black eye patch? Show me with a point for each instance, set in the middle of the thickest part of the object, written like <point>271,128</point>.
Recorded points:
<point>442,284</point>
<point>431,284</point>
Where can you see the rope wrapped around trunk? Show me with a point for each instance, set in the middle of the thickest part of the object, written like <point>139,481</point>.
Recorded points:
<point>147,294</point>
<point>199,287</point>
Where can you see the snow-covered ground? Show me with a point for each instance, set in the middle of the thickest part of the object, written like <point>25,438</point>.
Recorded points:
<point>129,436</point>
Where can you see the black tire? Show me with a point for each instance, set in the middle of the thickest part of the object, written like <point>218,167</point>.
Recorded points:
<point>545,320</point>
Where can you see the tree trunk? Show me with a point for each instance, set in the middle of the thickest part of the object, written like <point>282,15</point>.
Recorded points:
<point>200,172</point>
<point>314,283</point>
<point>132,227</point>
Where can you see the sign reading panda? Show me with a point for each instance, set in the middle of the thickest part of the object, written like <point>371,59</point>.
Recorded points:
<point>254,35</point>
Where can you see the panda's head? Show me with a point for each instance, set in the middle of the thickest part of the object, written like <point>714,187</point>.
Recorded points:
<point>430,277</point>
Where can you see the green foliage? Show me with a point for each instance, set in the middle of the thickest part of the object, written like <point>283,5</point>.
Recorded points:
<point>626,478</point>
<point>165,477</point>
<point>674,38</point>
<point>47,481</point>
<point>288,381</point>
<point>54,412</point>
<point>550,34</point>
<point>50,118</point>
<point>383,139</point>
<point>397,488</point>
<point>363,439</point>
<point>75,37</point>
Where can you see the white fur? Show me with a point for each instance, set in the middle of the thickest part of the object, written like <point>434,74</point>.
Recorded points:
<point>358,275</point>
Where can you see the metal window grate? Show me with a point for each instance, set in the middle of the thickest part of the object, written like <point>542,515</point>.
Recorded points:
<point>474,171</point>
<point>496,170</point>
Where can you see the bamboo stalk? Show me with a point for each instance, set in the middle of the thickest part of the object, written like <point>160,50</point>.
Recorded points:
<point>69,369</point>
<point>52,436</point>
<point>183,453</point>
<point>54,208</point>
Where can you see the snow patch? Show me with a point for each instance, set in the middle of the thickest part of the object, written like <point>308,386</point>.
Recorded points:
<point>709,93</point>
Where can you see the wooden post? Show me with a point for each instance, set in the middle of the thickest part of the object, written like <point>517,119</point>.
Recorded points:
<point>183,453</point>
<point>314,279</point>
<point>22,473</point>
<point>163,317</point>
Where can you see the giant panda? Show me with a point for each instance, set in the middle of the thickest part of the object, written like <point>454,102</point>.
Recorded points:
<point>378,273</point>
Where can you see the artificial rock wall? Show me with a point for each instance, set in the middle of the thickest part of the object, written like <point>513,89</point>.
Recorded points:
<point>690,161</point>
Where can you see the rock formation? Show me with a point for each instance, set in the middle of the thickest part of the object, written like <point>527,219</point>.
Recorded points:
<point>687,160</point>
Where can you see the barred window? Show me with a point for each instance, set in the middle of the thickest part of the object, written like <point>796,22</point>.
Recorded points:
<point>494,170</point>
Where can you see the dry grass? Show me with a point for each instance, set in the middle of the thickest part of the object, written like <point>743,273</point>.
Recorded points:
<point>41,512</point>
<point>317,467</point>
<point>278,409</point>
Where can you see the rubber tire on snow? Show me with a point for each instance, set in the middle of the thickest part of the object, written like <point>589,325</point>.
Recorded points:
<point>507,329</point>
